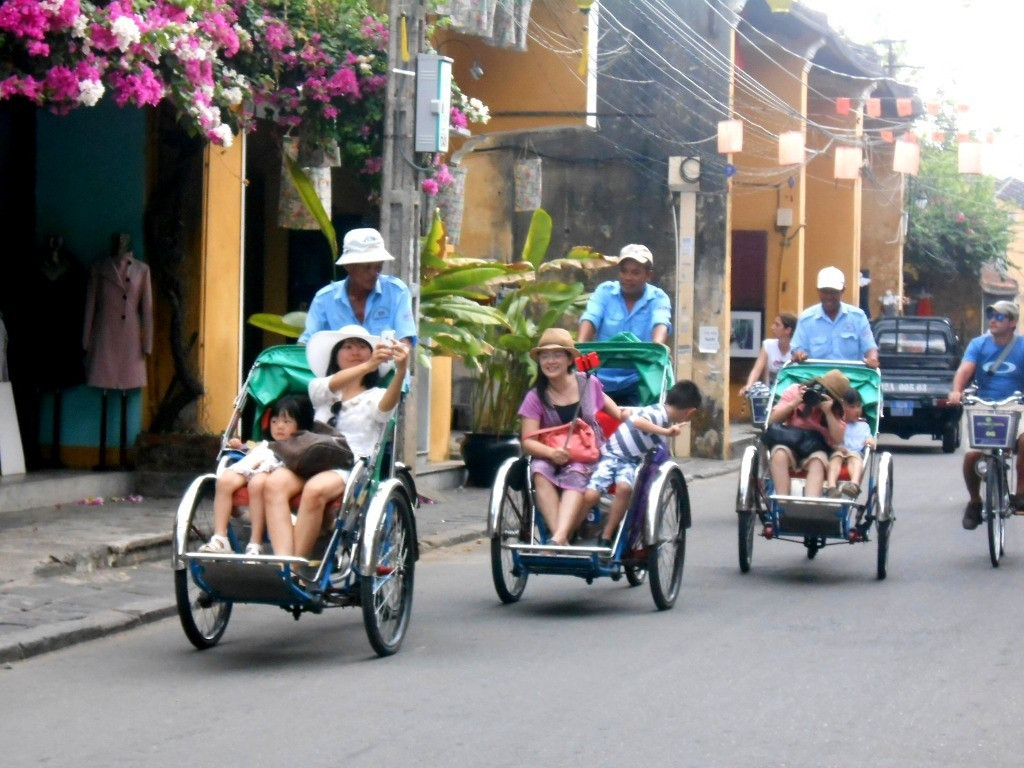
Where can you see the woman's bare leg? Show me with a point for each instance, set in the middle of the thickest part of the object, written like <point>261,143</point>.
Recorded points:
<point>226,485</point>
<point>815,477</point>
<point>779,468</point>
<point>319,491</point>
<point>570,508</point>
<point>546,495</point>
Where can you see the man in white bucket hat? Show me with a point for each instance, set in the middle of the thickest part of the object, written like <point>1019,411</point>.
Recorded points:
<point>833,330</point>
<point>366,297</point>
<point>630,304</point>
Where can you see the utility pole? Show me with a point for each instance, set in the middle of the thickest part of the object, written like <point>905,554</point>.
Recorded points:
<point>400,190</point>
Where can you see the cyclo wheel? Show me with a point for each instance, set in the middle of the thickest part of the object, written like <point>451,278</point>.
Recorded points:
<point>203,618</point>
<point>667,552</point>
<point>996,501</point>
<point>884,514</point>
<point>746,506</point>
<point>513,524</point>
<point>386,591</point>
<point>635,575</point>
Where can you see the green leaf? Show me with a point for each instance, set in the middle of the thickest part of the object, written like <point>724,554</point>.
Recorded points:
<point>275,324</point>
<point>312,202</point>
<point>538,238</point>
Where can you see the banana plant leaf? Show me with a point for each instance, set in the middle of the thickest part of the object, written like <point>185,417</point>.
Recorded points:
<point>275,324</point>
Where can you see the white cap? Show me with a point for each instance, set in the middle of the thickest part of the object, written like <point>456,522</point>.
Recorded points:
<point>363,246</point>
<point>638,253</point>
<point>831,277</point>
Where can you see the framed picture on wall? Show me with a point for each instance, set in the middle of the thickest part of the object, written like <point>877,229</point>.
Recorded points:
<point>745,334</point>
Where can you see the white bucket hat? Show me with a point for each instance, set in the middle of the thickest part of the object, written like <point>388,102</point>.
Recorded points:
<point>832,277</point>
<point>318,350</point>
<point>363,246</point>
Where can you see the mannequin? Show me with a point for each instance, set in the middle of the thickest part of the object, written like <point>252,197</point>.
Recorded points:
<point>118,332</point>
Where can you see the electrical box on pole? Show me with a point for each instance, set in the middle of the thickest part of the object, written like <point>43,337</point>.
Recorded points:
<point>433,101</point>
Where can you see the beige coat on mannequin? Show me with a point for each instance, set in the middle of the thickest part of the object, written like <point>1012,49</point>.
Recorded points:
<point>118,331</point>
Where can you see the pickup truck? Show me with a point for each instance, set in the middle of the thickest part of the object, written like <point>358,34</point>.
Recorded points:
<point>918,357</point>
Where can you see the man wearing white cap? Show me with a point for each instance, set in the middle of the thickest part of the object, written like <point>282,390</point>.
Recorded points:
<point>833,330</point>
<point>995,362</point>
<point>630,304</point>
<point>366,297</point>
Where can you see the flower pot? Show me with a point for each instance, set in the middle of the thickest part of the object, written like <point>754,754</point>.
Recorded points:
<point>483,453</point>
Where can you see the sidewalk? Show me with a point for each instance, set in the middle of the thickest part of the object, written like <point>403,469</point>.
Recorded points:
<point>72,572</point>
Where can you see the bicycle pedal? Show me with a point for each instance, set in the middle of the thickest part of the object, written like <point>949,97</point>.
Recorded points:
<point>768,532</point>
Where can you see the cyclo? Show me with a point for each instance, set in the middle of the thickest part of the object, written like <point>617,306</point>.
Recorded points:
<point>992,429</point>
<point>816,522</point>
<point>652,536</point>
<point>368,559</point>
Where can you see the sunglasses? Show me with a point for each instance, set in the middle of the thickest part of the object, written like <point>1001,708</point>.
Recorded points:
<point>335,410</point>
<point>1000,317</point>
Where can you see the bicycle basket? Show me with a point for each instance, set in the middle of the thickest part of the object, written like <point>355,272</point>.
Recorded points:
<point>758,395</point>
<point>992,429</point>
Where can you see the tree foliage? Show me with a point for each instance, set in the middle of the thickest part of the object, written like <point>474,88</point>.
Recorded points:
<point>955,223</point>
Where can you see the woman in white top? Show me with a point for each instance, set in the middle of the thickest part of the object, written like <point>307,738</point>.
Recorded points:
<point>348,364</point>
<point>774,352</point>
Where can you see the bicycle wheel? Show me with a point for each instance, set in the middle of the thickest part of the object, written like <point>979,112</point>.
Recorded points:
<point>667,552</point>
<point>996,501</point>
<point>884,513</point>
<point>882,528</point>
<point>203,618</point>
<point>746,506</point>
<point>513,525</point>
<point>386,591</point>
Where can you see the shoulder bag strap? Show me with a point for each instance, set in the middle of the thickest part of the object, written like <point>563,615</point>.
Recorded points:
<point>1002,356</point>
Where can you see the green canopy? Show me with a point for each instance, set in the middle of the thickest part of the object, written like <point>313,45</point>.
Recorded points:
<point>649,360</point>
<point>279,371</point>
<point>867,382</point>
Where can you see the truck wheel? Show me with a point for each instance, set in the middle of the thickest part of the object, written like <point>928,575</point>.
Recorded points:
<point>951,437</point>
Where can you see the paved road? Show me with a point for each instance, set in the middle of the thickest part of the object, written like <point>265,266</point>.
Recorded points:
<point>799,663</point>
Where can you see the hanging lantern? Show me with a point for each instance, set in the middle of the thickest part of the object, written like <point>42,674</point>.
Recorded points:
<point>843,105</point>
<point>934,108</point>
<point>970,157</point>
<point>791,147</point>
<point>730,136</point>
<point>904,107</point>
<point>874,107</point>
<point>886,136</point>
<point>848,162</point>
<point>906,157</point>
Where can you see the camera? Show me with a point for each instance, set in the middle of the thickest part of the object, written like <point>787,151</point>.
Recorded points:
<point>814,394</point>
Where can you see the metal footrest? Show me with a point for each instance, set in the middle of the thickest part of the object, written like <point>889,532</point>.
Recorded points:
<point>248,578</point>
<point>811,516</point>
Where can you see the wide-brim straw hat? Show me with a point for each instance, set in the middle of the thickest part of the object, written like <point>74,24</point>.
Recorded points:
<point>835,382</point>
<point>318,350</point>
<point>555,338</point>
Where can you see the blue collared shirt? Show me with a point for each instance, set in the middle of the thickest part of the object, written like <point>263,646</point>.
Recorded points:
<point>848,337</point>
<point>388,308</point>
<point>607,310</point>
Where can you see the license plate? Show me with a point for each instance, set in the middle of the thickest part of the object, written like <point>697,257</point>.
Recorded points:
<point>901,407</point>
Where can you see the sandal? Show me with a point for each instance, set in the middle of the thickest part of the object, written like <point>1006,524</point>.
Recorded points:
<point>217,545</point>
<point>252,548</point>
<point>850,490</point>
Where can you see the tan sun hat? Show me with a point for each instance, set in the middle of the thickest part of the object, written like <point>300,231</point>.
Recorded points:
<point>835,382</point>
<point>555,338</point>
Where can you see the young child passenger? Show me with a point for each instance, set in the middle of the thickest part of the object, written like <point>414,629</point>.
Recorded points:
<point>288,415</point>
<point>851,452</point>
<point>623,452</point>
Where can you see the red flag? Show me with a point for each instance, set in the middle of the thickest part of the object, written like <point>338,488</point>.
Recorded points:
<point>904,107</point>
<point>874,107</point>
<point>842,105</point>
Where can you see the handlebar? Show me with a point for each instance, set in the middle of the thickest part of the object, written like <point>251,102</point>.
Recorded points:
<point>970,398</point>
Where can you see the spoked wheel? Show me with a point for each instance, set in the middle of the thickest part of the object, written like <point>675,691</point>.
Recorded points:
<point>386,591</point>
<point>996,500</point>
<point>667,552</point>
<point>746,507</point>
<point>885,515</point>
<point>203,618</point>
<point>635,575</point>
<point>513,526</point>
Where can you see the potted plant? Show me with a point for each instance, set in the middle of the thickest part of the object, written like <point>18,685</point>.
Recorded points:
<point>535,295</point>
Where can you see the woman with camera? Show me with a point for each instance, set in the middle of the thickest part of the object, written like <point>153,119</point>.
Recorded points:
<point>815,408</point>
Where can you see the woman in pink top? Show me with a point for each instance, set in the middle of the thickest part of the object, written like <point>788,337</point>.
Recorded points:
<point>825,417</point>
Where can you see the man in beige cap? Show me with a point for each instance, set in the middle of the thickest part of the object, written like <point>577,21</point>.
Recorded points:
<point>995,362</point>
<point>833,330</point>
<point>366,297</point>
<point>630,304</point>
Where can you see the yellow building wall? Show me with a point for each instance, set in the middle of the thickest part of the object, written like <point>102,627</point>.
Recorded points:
<point>220,293</point>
